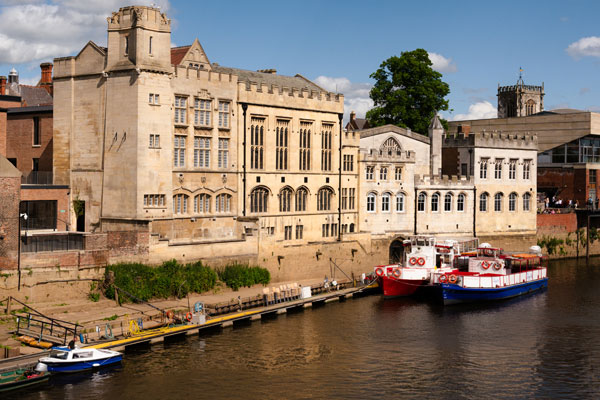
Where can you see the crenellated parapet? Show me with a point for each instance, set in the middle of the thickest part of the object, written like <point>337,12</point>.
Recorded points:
<point>493,139</point>
<point>381,156</point>
<point>445,181</point>
<point>134,16</point>
<point>187,72</point>
<point>514,88</point>
<point>299,93</point>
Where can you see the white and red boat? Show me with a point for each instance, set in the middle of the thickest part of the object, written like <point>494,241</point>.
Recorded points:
<point>422,256</point>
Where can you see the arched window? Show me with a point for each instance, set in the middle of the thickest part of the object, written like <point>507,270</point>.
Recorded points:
<point>202,204</point>
<point>435,202</point>
<point>383,173</point>
<point>259,200</point>
<point>257,126</point>
<point>498,201</point>
<point>512,202</point>
<point>483,200</point>
<point>460,202</point>
<point>301,196</point>
<point>385,202</point>
<point>390,147</point>
<point>400,202</point>
<point>421,201</point>
<point>371,202</point>
<point>223,203</point>
<point>180,203</point>
<point>526,202</point>
<point>285,199</point>
<point>324,199</point>
<point>351,228</point>
<point>530,107</point>
<point>448,202</point>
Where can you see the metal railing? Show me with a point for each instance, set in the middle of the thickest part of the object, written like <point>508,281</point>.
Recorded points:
<point>55,242</point>
<point>37,178</point>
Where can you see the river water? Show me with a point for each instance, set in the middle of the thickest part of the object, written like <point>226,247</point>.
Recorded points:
<point>545,345</point>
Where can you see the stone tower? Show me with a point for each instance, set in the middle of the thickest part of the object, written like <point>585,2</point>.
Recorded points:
<point>436,132</point>
<point>520,100</point>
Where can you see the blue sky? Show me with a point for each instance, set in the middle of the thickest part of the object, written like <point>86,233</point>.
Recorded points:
<point>339,44</point>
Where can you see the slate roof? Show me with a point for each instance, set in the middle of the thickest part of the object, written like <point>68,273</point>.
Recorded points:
<point>357,124</point>
<point>297,81</point>
<point>35,96</point>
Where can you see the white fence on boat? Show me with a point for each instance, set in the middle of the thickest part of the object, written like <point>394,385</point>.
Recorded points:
<point>497,281</point>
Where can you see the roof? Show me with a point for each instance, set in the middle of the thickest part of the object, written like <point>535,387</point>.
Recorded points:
<point>435,123</point>
<point>35,96</point>
<point>267,78</point>
<point>7,170</point>
<point>357,124</point>
<point>560,111</point>
<point>177,54</point>
<point>380,130</point>
<point>30,109</point>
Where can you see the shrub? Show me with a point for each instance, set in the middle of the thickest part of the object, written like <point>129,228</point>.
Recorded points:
<point>237,275</point>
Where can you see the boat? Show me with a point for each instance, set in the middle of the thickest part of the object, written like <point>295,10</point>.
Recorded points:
<point>20,378</point>
<point>63,359</point>
<point>493,275</point>
<point>422,256</point>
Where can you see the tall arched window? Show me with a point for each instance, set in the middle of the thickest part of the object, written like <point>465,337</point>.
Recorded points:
<point>512,202</point>
<point>526,202</point>
<point>483,200</point>
<point>223,203</point>
<point>460,202</point>
<point>448,198</point>
<point>371,202</point>
<point>257,126</point>
<point>498,201</point>
<point>259,200</point>
<point>421,200</point>
<point>180,203</point>
<point>304,135</point>
<point>385,202</point>
<point>202,203</point>
<point>285,199</point>
<point>435,202</point>
<point>530,107</point>
<point>324,199</point>
<point>400,202</point>
<point>301,196</point>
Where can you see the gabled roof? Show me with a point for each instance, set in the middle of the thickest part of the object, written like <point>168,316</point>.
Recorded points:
<point>385,129</point>
<point>35,96</point>
<point>7,170</point>
<point>357,124</point>
<point>177,54</point>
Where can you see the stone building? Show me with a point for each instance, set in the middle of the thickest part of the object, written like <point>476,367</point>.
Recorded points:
<point>520,100</point>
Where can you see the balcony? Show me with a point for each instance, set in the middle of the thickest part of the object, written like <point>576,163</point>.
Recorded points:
<point>37,178</point>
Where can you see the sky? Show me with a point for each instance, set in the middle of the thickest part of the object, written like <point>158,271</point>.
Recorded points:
<point>476,45</point>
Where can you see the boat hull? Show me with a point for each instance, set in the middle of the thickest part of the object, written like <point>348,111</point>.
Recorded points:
<point>21,382</point>
<point>77,366</point>
<point>393,287</point>
<point>454,294</point>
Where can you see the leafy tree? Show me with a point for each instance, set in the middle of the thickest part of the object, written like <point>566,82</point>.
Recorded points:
<point>407,92</point>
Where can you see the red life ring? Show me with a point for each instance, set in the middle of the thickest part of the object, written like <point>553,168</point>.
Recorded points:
<point>497,266</point>
<point>170,314</point>
<point>379,271</point>
<point>421,261</point>
<point>443,278</point>
<point>485,264</point>
<point>397,273</point>
<point>452,278</point>
<point>413,260</point>
<point>188,316</point>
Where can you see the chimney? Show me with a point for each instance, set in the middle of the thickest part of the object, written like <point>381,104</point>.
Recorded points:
<point>46,81</point>
<point>352,116</point>
<point>2,85</point>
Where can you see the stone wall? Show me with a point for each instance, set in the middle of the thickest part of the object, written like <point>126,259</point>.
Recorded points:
<point>9,221</point>
<point>551,224</point>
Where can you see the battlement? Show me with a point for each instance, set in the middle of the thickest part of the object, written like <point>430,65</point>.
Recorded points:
<point>450,181</point>
<point>493,139</point>
<point>202,74</point>
<point>521,87</point>
<point>133,16</point>
<point>300,93</point>
<point>377,155</point>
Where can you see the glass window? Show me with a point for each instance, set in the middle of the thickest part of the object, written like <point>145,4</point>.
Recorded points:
<point>324,199</point>
<point>400,202</point>
<point>304,134</point>
<point>460,202</point>
<point>421,201</point>
<point>202,111</point>
<point>223,153</point>
<point>483,200</point>
<point>435,202</point>
<point>526,202</point>
<point>371,202</point>
<point>483,166</point>
<point>448,202</point>
<point>180,204</point>
<point>398,174</point>
<point>259,200</point>
<point>301,195</point>
<point>498,168</point>
<point>201,152</point>
<point>179,151</point>
<point>180,109</point>
<point>223,203</point>
<point>512,169</point>
<point>498,202</point>
<point>223,114</point>
<point>385,202</point>
<point>285,199</point>
<point>383,174</point>
<point>369,172</point>
<point>202,204</point>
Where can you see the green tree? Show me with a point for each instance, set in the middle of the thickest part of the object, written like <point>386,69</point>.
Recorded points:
<point>407,92</point>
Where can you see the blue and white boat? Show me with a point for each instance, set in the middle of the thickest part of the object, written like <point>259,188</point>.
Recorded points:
<point>62,359</point>
<point>493,275</point>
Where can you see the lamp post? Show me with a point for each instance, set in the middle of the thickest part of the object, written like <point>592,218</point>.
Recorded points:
<point>24,216</point>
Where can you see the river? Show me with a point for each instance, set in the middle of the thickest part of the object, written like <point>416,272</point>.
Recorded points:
<point>545,345</point>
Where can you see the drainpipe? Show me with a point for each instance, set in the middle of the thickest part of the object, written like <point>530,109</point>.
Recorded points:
<point>415,229</point>
<point>340,116</point>
<point>244,108</point>
<point>474,211</point>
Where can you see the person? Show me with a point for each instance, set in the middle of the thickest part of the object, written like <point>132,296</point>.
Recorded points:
<point>547,203</point>
<point>73,343</point>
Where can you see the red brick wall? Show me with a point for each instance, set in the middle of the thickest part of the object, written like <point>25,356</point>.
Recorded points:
<point>19,143</point>
<point>3,133</point>
<point>125,244</point>
<point>554,223</point>
<point>62,202</point>
<point>9,222</point>
<point>570,183</point>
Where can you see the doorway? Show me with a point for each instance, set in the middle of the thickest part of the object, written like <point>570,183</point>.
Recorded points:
<point>396,251</point>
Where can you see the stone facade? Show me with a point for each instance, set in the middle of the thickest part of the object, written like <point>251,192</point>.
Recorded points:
<point>10,183</point>
<point>520,100</point>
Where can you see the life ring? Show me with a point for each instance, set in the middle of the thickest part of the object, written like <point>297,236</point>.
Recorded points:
<point>485,264</point>
<point>379,271</point>
<point>443,278</point>
<point>421,261</point>
<point>452,278</point>
<point>413,260</point>
<point>397,273</point>
<point>497,266</point>
<point>170,314</point>
<point>188,316</point>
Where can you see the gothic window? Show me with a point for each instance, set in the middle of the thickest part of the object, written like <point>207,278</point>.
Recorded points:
<point>180,203</point>
<point>324,199</point>
<point>344,198</point>
<point>301,196</point>
<point>398,174</point>
<point>526,169</point>
<point>351,197</point>
<point>512,169</point>
<point>530,107</point>
<point>385,202</point>
<point>460,202</point>
<point>448,202</point>
<point>371,202</point>
<point>400,202</point>
<point>285,199</point>
<point>369,172</point>
<point>259,198</point>
<point>202,203</point>
<point>435,202</point>
<point>257,130</point>
<point>421,200</point>
<point>526,201</point>
<point>281,144</point>
<point>483,167</point>
<point>483,200</point>
<point>498,202</point>
<point>390,147</point>
<point>383,173</point>
<point>305,132</point>
<point>512,202</point>
<point>326,137</point>
<point>223,203</point>
<point>498,168</point>
<point>348,162</point>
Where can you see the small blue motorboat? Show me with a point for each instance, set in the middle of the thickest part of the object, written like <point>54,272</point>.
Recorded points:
<point>63,359</point>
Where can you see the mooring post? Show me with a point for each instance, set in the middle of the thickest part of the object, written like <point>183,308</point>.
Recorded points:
<point>8,305</point>
<point>587,240</point>
<point>117,296</point>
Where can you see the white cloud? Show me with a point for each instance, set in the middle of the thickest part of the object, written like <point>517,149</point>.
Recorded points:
<point>587,46</point>
<point>39,31</point>
<point>356,95</point>
<point>481,110</point>
<point>441,63</point>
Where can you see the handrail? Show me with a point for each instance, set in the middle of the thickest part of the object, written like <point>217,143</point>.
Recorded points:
<point>44,316</point>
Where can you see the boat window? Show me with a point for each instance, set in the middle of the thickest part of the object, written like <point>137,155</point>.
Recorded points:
<point>61,355</point>
<point>86,354</point>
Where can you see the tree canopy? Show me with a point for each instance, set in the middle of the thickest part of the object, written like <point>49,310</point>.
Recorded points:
<point>407,92</point>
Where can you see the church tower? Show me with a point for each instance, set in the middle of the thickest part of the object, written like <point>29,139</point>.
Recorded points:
<point>520,100</point>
